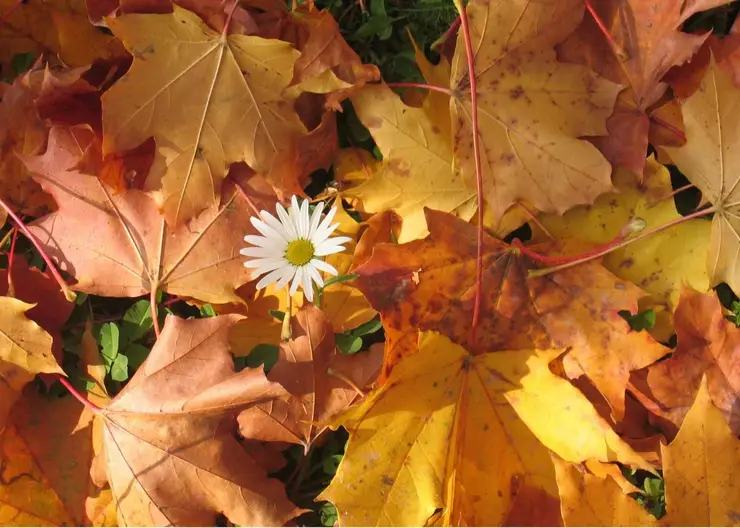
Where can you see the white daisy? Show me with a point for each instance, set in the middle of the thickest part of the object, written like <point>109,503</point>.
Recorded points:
<point>291,247</point>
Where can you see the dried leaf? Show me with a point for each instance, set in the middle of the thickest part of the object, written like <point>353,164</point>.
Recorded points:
<point>25,350</point>
<point>141,252</point>
<point>417,167</point>
<point>305,368</point>
<point>532,108</point>
<point>175,422</point>
<point>710,162</point>
<point>196,147</point>
<point>48,449</point>
<point>420,441</point>
<point>698,467</point>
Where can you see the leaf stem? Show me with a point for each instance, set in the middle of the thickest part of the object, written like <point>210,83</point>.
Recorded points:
<point>674,193</point>
<point>665,124</point>
<point>9,11</point>
<point>423,86</point>
<point>478,167</point>
<point>80,398</point>
<point>69,294</point>
<point>613,247</point>
<point>7,236</point>
<point>339,375</point>
<point>228,18</point>
<point>556,261</point>
<point>11,255</point>
<point>618,51</point>
<point>449,34</point>
<point>246,197</point>
<point>153,304</point>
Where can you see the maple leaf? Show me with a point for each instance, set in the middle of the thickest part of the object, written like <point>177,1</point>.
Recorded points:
<point>417,161</point>
<point>175,422</point>
<point>30,285</point>
<point>126,249</point>
<point>21,132</point>
<point>47,450</point>
<point>660,264</point>
<point>647,43</point>
<point>25,350</point>
<point>180,63</point>
<point>596,500</point>
<point>698,467</point>
<point>532,108</point>
<point>327,63</point>
<point>707,345</point>
<point>709,161</point>
<point>304,367</point>
<point>420,441</point>
<point>430,285</point>
<point>52,26</point>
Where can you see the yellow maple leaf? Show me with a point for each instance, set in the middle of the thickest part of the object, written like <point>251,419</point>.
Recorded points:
<point>417,161</point>
<point>711,161</point>
<point>699,467</point>
<point>423,440</point>
<point>25,350</point>
<point>187,81</point>
<point>49,446</point>
<point>660,264</point>
<point>532,108</point>
<point>596,500</point>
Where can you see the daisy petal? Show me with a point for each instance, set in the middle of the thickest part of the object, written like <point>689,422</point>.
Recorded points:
<point>315,275</point>
<point>306,284</point>
<point>270,264</point>
<point>270,278</point>
<point>327,219</point>
<point>296,281</point>
<point>305,219</point>
<point>288,273</point>
<point>323,233</point>
<point>263,228</point>
<point>275,224</point>
<point>287,222</point>
<point>323,266</point>
<point>261,252</point>
<point>265,242</point>
<point>333,241</point>
<point>315,219</point>
<point>328,250</point>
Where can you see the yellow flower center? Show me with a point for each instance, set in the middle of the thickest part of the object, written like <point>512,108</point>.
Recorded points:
<point>299,252</point>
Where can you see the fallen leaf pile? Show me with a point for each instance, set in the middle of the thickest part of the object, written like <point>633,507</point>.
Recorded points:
<point>561,349</point>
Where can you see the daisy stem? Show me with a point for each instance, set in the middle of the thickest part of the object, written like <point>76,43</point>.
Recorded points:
<point>285,333</point>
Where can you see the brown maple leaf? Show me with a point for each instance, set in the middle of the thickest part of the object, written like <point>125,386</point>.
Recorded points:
<point>21,133</point>
<point>119,245</point>
<point>170,448</point>
<point>707,344</point>
<point>648,42</point>
<point>430,285</point>
<point>314,375</point>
